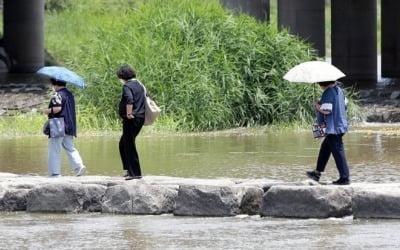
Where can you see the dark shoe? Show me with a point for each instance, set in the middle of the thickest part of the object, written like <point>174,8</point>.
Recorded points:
<point>313,175</point>
<point>341,182</point>
<point>133,177</point>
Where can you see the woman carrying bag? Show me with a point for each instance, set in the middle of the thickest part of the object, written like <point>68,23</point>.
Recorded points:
<point>132,111</point>
<point>331,113</point>
<point>62,106</point>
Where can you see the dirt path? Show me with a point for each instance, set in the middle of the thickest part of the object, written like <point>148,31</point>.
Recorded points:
<point>22,98</point>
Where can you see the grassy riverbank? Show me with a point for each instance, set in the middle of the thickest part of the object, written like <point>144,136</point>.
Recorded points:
<point>208,68</point>
<point>31,125</point>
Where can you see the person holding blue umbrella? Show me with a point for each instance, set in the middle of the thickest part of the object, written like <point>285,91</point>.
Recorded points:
<point>62,105</point>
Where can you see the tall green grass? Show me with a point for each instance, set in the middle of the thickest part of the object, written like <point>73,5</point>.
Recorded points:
<point>206,67</point>
<point>21,125</point>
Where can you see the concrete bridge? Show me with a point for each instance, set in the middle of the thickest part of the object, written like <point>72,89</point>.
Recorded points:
<point>22,44</point>
<point>353,29</point>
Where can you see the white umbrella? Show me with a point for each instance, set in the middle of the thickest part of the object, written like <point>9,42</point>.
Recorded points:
<point>312,72</point>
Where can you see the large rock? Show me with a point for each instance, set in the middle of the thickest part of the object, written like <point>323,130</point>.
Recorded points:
<point>250,200</point>
<point>217,200</point>
<point>206,201</point>
<point>56,197</point>
<point>167,180</point>
<point>94,195</point>
<point>307,202</point>
<point>14,200</point>
<point>117,200</point>
<point>65,197</point>
<point>140,199</point>
<point>377,203</point>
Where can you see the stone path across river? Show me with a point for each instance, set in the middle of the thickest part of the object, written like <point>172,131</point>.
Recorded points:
<point>198,197</point>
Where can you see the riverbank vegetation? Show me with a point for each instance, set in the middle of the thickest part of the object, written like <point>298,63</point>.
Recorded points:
<point>206,67</point>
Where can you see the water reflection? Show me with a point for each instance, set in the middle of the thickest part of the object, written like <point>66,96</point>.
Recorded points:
<point>282,156</point>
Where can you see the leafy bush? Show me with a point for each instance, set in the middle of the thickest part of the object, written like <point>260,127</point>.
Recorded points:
<point>205,66</point>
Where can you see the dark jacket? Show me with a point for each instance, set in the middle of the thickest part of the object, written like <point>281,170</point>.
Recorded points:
<point>67,109</point>
<point>132,93</point>
<point>336,121</point>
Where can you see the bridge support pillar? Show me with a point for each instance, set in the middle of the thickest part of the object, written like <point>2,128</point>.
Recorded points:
<point>390,35</point>
<point>258,9</point>
<point>23,34</point>
<point>306,19</point>
<point>354,39</point>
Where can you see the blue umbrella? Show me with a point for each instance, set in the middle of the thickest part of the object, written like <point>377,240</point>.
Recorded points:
<point>62,74</point>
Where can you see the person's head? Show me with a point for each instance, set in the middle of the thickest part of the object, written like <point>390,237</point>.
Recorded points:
<point>126,72</point>
<point>57,83</point>
<point>325,84</point>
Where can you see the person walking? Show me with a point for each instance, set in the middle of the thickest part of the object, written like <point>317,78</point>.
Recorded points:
<point>132,111</point>
<point>331,113</point>
<point>62,104</point>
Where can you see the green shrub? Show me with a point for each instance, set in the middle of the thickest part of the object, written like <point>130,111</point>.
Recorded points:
<point>206,67</point>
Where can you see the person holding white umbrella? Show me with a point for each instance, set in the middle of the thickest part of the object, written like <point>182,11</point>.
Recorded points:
<point>331,115</point>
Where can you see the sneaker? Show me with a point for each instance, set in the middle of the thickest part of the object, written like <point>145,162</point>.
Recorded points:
<point>55,175</point>
<point>313,175</point>
<point>81,171</point>
<point>341,182</point>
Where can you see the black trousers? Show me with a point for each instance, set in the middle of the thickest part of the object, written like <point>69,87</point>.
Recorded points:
<point>127,145</point>
<point>333,144</point>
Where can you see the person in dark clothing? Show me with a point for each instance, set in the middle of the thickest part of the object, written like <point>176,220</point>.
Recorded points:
<point>62,104</point>
<point>331,113</point>
<point>131,110</point>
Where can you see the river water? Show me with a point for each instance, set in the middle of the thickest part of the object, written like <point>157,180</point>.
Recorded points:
<point>373,156</point>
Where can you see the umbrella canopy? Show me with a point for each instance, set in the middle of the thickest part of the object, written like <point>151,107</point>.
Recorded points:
<point>62,74</point>
<point>312,72</point>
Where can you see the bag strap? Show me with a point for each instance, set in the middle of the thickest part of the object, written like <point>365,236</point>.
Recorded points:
<point>145,90</point>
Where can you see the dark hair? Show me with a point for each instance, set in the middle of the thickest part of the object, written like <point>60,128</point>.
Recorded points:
<point>326,83</point>
<point>57,82</point>
<point>126,73</point>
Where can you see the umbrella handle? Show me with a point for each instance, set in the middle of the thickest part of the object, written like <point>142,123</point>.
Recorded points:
<point>313,96</point>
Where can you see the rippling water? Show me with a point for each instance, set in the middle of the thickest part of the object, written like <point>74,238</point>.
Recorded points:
<point>373,157</point>
<point>96,231</point>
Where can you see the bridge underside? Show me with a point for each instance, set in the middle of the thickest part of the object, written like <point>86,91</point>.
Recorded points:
<point>353,32</point>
